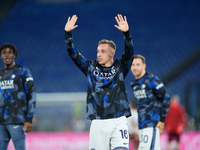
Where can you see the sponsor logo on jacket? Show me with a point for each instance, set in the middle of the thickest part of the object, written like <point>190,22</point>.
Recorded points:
<point>7,84</point>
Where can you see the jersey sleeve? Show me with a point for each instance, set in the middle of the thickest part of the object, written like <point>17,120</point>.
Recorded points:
<point>162,95</point>
<point>80,61</point>
<point>127,56</point>
<point>30,94</point>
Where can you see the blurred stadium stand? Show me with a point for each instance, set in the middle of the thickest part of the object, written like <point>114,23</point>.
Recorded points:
<point>166,32</point>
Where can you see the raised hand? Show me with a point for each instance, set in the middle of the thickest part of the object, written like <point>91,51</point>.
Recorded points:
<point>122,23</point>
<point>70,25</point>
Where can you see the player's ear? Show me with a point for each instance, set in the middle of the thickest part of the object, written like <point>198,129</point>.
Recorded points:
<point>15,55</point>
<point>112,52</point>
<point>145,66</point>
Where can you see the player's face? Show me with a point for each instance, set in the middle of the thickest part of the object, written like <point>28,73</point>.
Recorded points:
<point>138,68</point>
<point>105,55</point>
<point>7,56</point>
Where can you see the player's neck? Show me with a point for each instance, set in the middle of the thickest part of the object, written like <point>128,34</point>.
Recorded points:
<point>108,64</point>
<point>8,66</point>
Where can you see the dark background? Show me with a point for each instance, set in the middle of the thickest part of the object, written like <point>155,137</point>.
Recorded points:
<point>166,32</point>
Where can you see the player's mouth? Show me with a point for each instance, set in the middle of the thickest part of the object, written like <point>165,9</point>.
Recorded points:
<point>135,71</point>
<point>7,60</point>
<point>99,59</point>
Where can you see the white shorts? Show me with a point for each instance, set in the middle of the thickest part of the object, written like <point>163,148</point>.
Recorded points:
<point>149,139</point>
<point>109,134</point>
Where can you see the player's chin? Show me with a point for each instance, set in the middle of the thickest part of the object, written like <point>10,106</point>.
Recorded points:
<point>100,62</point>
<point>7,62</point>
<point>135,73</point>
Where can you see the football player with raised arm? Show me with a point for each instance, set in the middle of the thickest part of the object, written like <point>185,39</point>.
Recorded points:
<point>107,101</point>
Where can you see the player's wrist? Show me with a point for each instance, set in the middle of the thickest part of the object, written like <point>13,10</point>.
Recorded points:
<point>28,120</point>
<point>162,119</point>
<point>68,34</point>
<point>127,34</point>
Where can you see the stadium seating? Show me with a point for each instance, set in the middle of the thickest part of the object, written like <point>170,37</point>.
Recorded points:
<point>165,32</point>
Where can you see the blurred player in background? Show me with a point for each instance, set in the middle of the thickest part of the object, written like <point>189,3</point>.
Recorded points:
<point>17,99</point>
<point>152,104</point>
<point>175,121</point>
<point>107,101</point>
<point>132,122</point>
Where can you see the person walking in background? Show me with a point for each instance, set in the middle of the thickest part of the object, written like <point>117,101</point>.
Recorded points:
<point>152,104</point>
<point>132,123</point>
<point>17,99</point>
<point>107,100</point>
<point>175,121</point>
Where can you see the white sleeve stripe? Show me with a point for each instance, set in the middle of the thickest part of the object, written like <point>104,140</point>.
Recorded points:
<point>30,78</point>
<point>159,86</point>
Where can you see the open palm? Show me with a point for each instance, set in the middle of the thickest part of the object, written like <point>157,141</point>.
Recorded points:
<point>70,25</point>
<point>122,23</point>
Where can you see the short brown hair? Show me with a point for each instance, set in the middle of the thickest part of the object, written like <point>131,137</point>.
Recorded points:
<point>109,42</point>
<point>141,57</point>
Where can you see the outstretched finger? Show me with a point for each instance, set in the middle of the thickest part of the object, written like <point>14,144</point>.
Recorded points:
<point>116,18</point>
<point>68,19</point>
<point>125,18</point>
<point>74,18</point>
<point>120,17</point>
<point>116,26</point>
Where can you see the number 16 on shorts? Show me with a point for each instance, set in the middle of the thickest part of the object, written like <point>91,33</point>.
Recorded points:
<point>124,134</point>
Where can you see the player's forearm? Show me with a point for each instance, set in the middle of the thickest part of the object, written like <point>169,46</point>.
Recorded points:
<point>129,48</point>
<point>31,100</point>
<point>165,107</point>
<point>71,48</point>
<point>74,54</point>
<point>69,41</point>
